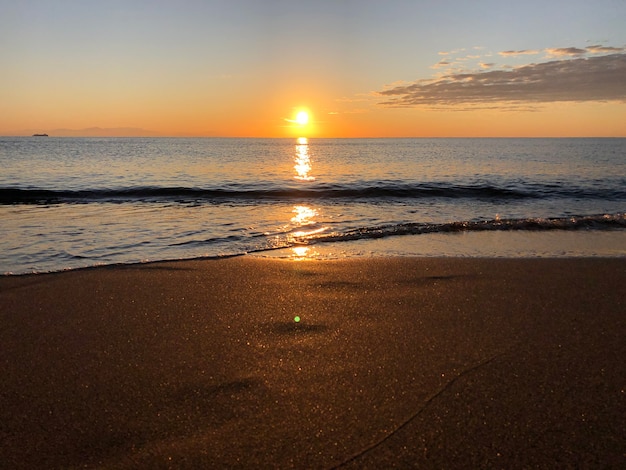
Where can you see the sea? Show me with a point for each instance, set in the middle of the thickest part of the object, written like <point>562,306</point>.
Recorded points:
<point>68,203</point>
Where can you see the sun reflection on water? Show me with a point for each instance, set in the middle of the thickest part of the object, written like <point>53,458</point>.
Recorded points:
<point>305,253</point>
<point>303,215</point>
<point>303,218</point>
<point>300,251</point>
<point>303,160</point>
<point>303,221</point>
<point>304,227</point>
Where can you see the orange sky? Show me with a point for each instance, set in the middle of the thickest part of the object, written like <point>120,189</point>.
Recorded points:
<point>361,69</point>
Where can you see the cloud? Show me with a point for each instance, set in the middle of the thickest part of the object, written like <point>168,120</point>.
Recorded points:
<point>565,51</point>
<point>352,111</point>
<point>486,65</point>
<point>441,64</point>
<point>452,52</point>
<point>599,78</point>
<point>598,49</point>
<point>516,53</point>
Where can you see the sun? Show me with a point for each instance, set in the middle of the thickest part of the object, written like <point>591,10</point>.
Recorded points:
<point>302,118</point>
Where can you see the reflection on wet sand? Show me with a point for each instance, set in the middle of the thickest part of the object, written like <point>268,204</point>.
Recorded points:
<point>301,252</point>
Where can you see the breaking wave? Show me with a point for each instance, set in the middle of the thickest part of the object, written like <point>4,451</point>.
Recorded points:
<point>355,191</point>
<point>592,222</point>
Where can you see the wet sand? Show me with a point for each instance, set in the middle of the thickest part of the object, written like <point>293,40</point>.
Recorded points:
<point>399,362</point>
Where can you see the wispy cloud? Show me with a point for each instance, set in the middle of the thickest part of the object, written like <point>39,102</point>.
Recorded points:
<point>351,111</point>
<point>441,64</point>
<point>571,78</point>
<point>565,51</point>
<point>455,51</point>
<point>517,53</point>
<point>604,49</point>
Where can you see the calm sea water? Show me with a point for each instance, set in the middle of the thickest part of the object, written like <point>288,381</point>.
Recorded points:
<point>73,202</point>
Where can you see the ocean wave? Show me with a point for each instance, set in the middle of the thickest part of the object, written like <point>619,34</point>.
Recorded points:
<point>590,222</point>
<point>364,191</point>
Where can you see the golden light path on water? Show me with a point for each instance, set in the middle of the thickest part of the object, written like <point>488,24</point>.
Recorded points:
<point>304,215</point>
<point>303,161</point>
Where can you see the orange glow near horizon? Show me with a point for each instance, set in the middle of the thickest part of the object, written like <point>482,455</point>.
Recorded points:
<point>218,118</point>
<point>314,69</point>
<point>300,124</point>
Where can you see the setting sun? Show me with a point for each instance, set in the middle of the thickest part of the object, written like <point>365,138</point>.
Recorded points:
<point>302,118</point>
<point>318,71</point>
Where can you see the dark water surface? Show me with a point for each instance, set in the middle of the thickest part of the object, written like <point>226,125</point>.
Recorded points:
<point>72,202</point>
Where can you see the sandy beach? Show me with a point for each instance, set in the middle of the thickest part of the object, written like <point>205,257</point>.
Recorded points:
<point>394,362</point>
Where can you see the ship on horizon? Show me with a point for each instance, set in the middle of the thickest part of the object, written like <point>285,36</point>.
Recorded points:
<point>40,135</point>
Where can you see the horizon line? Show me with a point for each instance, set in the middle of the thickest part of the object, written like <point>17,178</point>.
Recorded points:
<point>195,136</point>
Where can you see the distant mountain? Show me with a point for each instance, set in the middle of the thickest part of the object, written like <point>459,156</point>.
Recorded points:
<point>103,132</point>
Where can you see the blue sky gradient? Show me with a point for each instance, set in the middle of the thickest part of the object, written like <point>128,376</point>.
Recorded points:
<point>244,67</point>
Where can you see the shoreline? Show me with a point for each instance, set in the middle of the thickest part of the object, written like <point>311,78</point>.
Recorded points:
<point>470,245</point>
<point>396,361</point>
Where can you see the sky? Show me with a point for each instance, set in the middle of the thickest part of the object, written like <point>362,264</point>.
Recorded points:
<point>359,68</point>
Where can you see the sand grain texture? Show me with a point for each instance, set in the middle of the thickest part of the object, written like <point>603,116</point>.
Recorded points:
<point>430,363</point>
